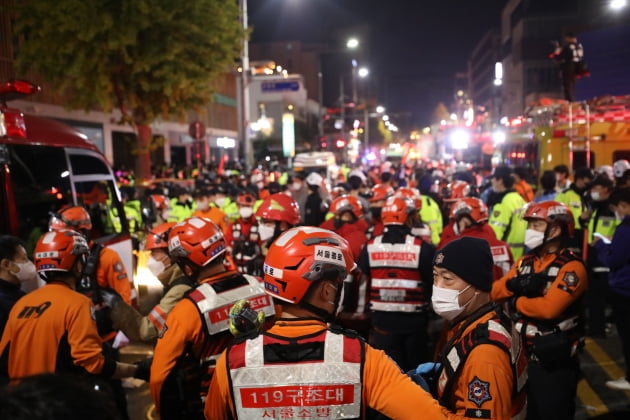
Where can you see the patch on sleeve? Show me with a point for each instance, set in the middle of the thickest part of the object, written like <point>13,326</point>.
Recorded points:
<point>477,413</point>
<point>496,214</point>
<point>479,392</point>
<point>118,267</point>
<point>570,278</point>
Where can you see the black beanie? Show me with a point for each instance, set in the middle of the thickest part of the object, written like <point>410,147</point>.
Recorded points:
<point>469,258</point>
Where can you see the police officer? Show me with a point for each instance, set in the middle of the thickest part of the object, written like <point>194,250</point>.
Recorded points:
<point>574,196</point>
<point>52,328</point>
<point>301,368</point>
<point>487,377</point>
<point>398,265</point>
<point>197,330</point>
<point>506,206</point>
<point>544,290</point>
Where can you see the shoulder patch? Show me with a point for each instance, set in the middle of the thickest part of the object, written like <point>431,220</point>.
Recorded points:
<point>570,278</point>
<point>479,391</point>
<point>496,213</point>
<point>118,267</point>
<point>478,413</point>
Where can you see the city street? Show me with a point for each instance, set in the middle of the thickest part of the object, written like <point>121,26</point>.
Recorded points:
<point>601,361</point>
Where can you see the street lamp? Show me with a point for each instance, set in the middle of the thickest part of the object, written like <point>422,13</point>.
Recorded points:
<point>352,43</point>
<point>380,109</point>
<point>618,4</point>
<point>363,72</point>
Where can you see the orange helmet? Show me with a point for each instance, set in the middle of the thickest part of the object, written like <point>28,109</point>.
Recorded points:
<point>456,190</point>
<point>338,191</point>
<point>160,201</point>
<point>300,257</point>
<point>71,217</point>
<point>158,237</point>
<point>551,212</point>
<point>472,207</point>
<point>381,192</point>
<point>245,199</point>
<point>346,203</point>
<point>395,211</point>
<point>196,240</point>
<point>279,207</point>
<point>410,194</point>
<point>58,250</point>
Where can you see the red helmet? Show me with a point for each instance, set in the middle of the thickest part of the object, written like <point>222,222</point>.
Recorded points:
<point>196,240</point>
<point>246,199</point>
<point>158,237</point>
<point>456,190</point>
<point>346,203</point>
<point>551,212</point>
<point>381,192</point>
<point>395,211</point>
<point>72,217</point>
<point>470,206</point>
<point>411,194</point>
<point>58,250</point>
<point>338,191</point>
<point>279,207</point>
<point>302,256</point>
<point>160,201</point>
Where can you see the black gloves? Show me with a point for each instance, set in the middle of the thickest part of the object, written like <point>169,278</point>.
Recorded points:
<point>143,369</point>
<point>110,297</point>
<point>528,285</point>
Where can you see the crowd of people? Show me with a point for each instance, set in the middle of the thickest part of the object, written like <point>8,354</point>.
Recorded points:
<point>385,293</point>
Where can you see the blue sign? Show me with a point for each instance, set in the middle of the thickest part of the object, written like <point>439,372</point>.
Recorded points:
<point>280,86</point>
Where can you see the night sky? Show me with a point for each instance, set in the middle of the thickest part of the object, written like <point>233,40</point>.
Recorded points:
<point>415,46</point>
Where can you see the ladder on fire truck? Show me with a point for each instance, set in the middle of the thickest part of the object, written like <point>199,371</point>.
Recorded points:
<point>574,114</point>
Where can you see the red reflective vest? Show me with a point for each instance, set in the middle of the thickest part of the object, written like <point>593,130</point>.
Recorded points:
<point>396,283</point>
<point>322,379</point>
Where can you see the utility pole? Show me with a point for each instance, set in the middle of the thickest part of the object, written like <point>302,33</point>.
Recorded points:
<point>245,76</point>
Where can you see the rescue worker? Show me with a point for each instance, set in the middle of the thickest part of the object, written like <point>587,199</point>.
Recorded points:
<point>277,213</point>
<point>206,208</point>
<point>162,208</point>
<point>575,197</point>
<point>301,367</point>
<point>103,269</point>
<point>506,207</point>
<point>127,318</point>
<point>398,266</point>
<point>243,238</point>
<point>52,330</point>
<point>15,268</point>
<point>601,221</point>
<point>380,193</point>
<point>487,377</point>
<point>521,186</point>
<point>544,290</point>
<point>196,330</point>
<point>348,222</point>
<point>414,201</point>
<point>469,217</point>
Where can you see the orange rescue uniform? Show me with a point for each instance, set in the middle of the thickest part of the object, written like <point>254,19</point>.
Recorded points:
<point>216,215</point>
<point>556,299</point>
<point>52,330</point>
<point>384,387</point>
<point>111,273</point>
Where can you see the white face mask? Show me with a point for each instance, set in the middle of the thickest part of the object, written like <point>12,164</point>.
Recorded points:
<point>596,196</point>
<point>446,302</point>
<point>266,231</point>
<point>296,186</point>
<point>534,238</point>
<point>260,185</point>
<point>619,216</point>
<point>220,201</point>
<point>26,272</point>
<point>156,267</point>
<point>202,205</point>
<point>246,212</point>
<point>340,305</point>
<point>166,214</point>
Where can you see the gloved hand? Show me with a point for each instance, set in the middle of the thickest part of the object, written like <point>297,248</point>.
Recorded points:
<point>424,375</point>
<point>244,320</point>
<point>143,369</point>
<point>529,285</point>
<point>109,297</point>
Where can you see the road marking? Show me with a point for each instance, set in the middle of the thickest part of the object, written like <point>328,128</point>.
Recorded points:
<point>602,358</point>
<point>590,400</point>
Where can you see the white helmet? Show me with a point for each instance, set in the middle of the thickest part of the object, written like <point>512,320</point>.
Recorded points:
<point>605,170</point>
<point>314,179</point>
<point>620,166</point>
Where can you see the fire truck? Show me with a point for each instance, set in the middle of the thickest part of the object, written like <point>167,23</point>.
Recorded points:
<point>46,165</point>
<point>591,134</point>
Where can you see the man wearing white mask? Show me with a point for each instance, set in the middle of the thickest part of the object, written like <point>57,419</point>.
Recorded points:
<point>480,370</point>
<point>15,269</point>
<point>545,291</point>
<point>299,191</point>
<point>243,238</point>
<point>125,317</point>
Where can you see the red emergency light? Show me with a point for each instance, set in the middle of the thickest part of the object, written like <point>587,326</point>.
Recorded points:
<point>12,124</point>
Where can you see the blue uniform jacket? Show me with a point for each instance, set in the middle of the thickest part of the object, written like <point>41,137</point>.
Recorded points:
<point>616,256</point>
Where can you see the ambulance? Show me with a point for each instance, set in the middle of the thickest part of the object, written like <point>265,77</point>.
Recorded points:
<point>46,165</point>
